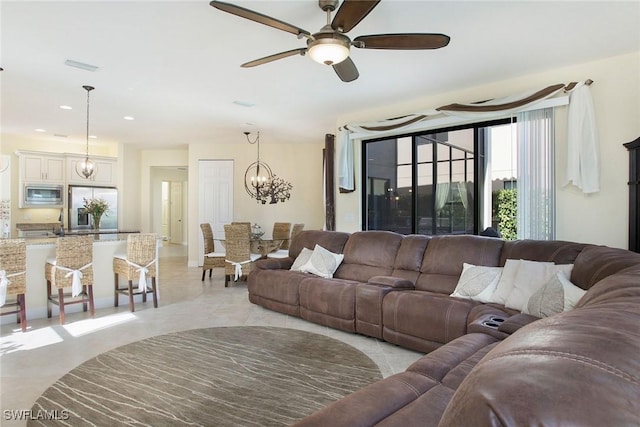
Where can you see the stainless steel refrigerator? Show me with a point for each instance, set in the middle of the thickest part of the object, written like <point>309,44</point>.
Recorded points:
<point>80,220</point>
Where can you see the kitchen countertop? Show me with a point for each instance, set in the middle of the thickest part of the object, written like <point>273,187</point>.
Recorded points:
<point>50,238</point>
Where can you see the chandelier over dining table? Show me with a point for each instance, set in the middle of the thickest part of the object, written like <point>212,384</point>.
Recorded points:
<point>260,181</point>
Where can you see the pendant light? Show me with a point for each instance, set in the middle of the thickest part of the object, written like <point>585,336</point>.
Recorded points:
<point>86,167</point>
<point>261,183</point>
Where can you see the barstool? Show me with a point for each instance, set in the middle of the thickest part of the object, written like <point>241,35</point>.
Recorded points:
<point>139,263</point>
<point>13,266</point>
<point>72,267</point>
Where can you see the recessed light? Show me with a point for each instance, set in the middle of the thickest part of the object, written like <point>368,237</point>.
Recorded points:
<point>128,118</point>
<point>93,137</point>
<point>66,107</point>
<point>39,130</point>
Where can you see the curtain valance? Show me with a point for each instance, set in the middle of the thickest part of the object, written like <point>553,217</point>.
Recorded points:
<point>456,113</point>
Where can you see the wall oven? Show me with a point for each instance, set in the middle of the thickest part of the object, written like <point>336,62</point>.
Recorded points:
<point>43,196</point>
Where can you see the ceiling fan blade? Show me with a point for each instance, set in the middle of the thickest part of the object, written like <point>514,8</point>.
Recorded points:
<point>408,41</point>
<point>346,70</point>
<point>274,57</point>
<point>351,12</point>
<point>258,17</point>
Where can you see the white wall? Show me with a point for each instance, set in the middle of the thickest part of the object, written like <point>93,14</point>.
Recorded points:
<point>300,164</point>
<point>600,218</point>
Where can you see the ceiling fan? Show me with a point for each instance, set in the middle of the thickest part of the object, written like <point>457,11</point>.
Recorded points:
<point>331,45</point>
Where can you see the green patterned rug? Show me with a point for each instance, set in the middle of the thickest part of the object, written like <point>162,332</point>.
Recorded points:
<point>234,376</point>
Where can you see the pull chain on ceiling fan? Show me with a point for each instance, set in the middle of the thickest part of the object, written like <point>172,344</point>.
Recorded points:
<point>331,45</point>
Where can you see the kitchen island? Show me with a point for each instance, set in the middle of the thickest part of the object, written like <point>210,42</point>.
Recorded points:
<point>39,249</point>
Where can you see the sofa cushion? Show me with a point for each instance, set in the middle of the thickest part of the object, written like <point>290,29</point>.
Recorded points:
<point>577,368</point>
<point>422,320</point>
<point>368,254</point>
<point>409,258</point>
<point>329,302</point>
<point>418,395</point>
<point>597,262</point>
<point>333,241</point>
<point>556,251</point>
<point>443,259</point>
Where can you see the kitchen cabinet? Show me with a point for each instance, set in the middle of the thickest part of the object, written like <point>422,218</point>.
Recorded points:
<point>45,168</point>
<point>103,175</point>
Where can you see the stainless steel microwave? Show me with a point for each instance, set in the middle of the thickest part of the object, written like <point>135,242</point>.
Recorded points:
<point>43,196</point>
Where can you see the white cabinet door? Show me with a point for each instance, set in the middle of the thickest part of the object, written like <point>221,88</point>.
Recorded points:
<point>103,175</point>
<point>37,168</point>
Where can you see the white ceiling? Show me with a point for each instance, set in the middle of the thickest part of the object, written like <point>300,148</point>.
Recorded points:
<point>175,65</point>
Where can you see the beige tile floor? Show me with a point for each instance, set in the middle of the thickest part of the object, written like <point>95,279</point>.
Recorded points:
<point>30,362</point>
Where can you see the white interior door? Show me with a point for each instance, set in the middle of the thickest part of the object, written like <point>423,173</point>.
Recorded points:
<point>215,197</point>
<point>175,204</point>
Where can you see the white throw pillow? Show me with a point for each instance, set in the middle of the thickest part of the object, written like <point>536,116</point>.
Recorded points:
<point>522,278</point>
<point>506,282</point>
<point>477,282</point>
<point>322,263</point>
<point>556,296</point>
<point>302,259</point>
<point>530,278</point>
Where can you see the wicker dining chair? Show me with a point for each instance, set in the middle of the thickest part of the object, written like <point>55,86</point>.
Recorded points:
<point>13,278</point>
<point>284,252</point>
<point>297,228</point>
<point>281,231</point>
<point>72,267</point>
<point>139,263</point>
<point>212,258</point>
<point>239,259</point>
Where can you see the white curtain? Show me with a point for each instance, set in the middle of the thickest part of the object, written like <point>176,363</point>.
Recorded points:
<point>442,195</point>
<point>582,141</point>
<point>346,177</point>
<point>536,175</point>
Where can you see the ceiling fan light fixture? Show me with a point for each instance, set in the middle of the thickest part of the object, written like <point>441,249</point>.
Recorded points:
<point>329,51</point>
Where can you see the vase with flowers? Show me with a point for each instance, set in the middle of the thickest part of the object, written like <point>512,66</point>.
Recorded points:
<point>96,208</point>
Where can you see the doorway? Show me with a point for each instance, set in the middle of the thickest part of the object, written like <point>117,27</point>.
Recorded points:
<point>172,226</point>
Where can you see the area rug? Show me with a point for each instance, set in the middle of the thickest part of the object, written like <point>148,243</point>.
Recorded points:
<point>233,376</point>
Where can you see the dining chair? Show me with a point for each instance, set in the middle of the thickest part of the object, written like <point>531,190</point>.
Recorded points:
<point>212,258</point>
<point>239,259</point>
<point>281,231</point>
<point>13,269</point>
<point>139,263</point>
<point>71,267</point>
<point>297,228</point>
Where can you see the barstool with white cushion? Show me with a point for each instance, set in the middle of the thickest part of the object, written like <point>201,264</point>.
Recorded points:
<point>72,267</point>
<point>139,263</point>
<point>13,266</point>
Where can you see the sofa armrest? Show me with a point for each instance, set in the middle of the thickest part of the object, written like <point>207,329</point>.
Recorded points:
<point>515,322</point>
<point>390,281</point>
<point>273,264</point>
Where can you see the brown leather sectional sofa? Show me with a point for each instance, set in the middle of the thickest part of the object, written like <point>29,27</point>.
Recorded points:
<point>579,367</point>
